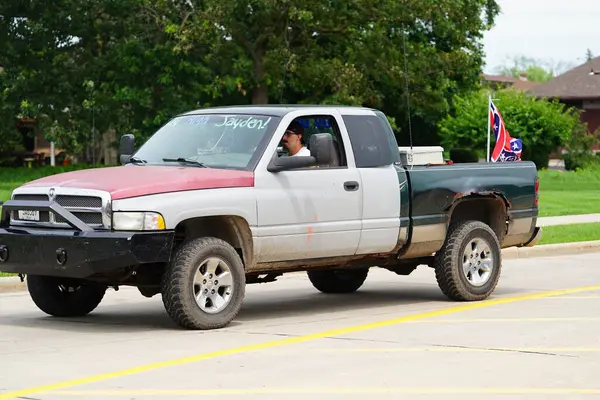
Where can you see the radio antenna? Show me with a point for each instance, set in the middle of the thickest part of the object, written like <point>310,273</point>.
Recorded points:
<point>406,89</point>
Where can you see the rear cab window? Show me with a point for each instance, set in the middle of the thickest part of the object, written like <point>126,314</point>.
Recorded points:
<point>373,141</point>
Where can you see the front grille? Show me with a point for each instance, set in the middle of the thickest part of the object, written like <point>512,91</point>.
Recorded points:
<point>79,201</point>
<point>31,197</point>
<point>44,215</point>
<point>89,209</point>
<point>87,217</point>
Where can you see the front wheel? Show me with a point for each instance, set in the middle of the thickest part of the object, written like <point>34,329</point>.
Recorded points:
<point>205,285</point>
<point>467,267</point>
<point>61,297</point>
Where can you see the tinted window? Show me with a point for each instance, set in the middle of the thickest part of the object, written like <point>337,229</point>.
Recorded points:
<point>373,141</point>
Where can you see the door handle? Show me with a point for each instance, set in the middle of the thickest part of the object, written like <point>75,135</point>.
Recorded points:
<point>351,186</point>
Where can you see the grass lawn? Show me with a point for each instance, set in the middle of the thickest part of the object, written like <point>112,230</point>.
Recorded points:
<point>11,178</point>
<point>569,193</point>
<point>570,233</point>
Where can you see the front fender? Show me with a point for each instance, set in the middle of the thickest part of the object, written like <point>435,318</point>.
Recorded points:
<point>176,207</point>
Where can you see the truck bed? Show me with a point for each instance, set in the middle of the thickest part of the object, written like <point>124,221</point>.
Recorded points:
<point>436,192</point>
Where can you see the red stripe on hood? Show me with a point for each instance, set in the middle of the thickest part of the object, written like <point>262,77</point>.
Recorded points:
<point>131,180</point>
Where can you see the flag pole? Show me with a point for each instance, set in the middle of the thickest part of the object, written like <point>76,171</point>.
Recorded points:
<point>489,126</point>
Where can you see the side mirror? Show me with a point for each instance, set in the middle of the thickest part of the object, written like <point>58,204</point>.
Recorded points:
<point>126,148</point>
<point>278,164</point>
<point>322,148</point>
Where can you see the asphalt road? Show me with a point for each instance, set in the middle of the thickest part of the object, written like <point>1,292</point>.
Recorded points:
<point>395,336</point>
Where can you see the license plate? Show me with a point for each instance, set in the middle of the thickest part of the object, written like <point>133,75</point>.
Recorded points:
<point>28,215</point>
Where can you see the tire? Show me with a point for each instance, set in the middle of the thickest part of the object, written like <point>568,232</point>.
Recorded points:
<point>179,284</point>
<point>61,297</point>
<point>338,281</point>
<point>449,272</point>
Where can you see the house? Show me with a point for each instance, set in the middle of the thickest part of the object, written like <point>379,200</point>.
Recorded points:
<point>36,149</point>
<point>578,87</point>
<point>499,82</point>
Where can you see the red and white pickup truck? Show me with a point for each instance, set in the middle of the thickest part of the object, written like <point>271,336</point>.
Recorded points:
<point>208,204</point>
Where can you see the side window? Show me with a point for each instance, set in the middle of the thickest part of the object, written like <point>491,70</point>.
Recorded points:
<point>296,140</point>
<point>373,141</point>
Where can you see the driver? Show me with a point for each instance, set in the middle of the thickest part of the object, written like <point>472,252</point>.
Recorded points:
<point>292,140</point>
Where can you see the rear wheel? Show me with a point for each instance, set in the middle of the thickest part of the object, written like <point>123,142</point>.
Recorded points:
<point>205,285</point>
<point>338,281</point>
<point>61,297</point>
<point>467,267</point>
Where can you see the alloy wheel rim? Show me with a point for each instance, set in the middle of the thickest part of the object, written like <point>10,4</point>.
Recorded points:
<point>478,262</point>
<point>213,285</point>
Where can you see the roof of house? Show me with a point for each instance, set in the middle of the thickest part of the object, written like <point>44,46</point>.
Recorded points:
<point>499,78</point>
<point>525,85</point>
<point>521,83</point>
<point>581,82</point>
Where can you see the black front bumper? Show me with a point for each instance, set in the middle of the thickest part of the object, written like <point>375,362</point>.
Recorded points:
<point>76,253</point>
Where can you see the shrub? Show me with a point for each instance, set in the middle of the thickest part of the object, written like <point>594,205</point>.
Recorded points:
<point>464,155</point>
<point>542,125</point>
<point>580,154</point>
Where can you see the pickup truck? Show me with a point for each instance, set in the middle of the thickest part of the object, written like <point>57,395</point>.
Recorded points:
<point>210,203</point>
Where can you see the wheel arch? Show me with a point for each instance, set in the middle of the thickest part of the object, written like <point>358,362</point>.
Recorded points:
<point>490,208</point>
<point>233,229</point>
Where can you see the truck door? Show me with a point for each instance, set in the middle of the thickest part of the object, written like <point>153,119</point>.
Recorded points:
<point>312,212</point>
<point>375,151</point>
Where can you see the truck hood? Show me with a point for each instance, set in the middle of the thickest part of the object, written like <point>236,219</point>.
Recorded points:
<point>131,181</point>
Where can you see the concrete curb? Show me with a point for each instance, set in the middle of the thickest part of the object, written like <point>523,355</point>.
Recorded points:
<point>562,220</point>
<point>551,250</point>
<point>14,284</point>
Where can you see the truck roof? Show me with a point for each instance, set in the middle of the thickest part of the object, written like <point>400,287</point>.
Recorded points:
<point>276,110</point>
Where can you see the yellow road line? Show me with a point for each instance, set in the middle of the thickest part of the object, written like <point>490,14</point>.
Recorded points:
<point>289,341</point>
<point>340,390</point>
<point>533,319</point>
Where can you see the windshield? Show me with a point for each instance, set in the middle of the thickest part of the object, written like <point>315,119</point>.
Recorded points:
<point>210,140</point>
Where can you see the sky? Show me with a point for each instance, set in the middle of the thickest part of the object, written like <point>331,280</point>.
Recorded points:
<point>549,30</point>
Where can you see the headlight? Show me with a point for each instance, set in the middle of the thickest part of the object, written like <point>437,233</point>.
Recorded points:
<point>138,221</point>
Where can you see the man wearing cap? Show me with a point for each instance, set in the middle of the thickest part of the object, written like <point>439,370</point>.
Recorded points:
<point>292,140</point>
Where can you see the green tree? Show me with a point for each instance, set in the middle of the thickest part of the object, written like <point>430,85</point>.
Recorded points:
<point>542,125</point>
<point>589,55</point>
<point>84,67</point>
<point>351,52</point>
<point>10,138</point>
<point>580,149</point>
